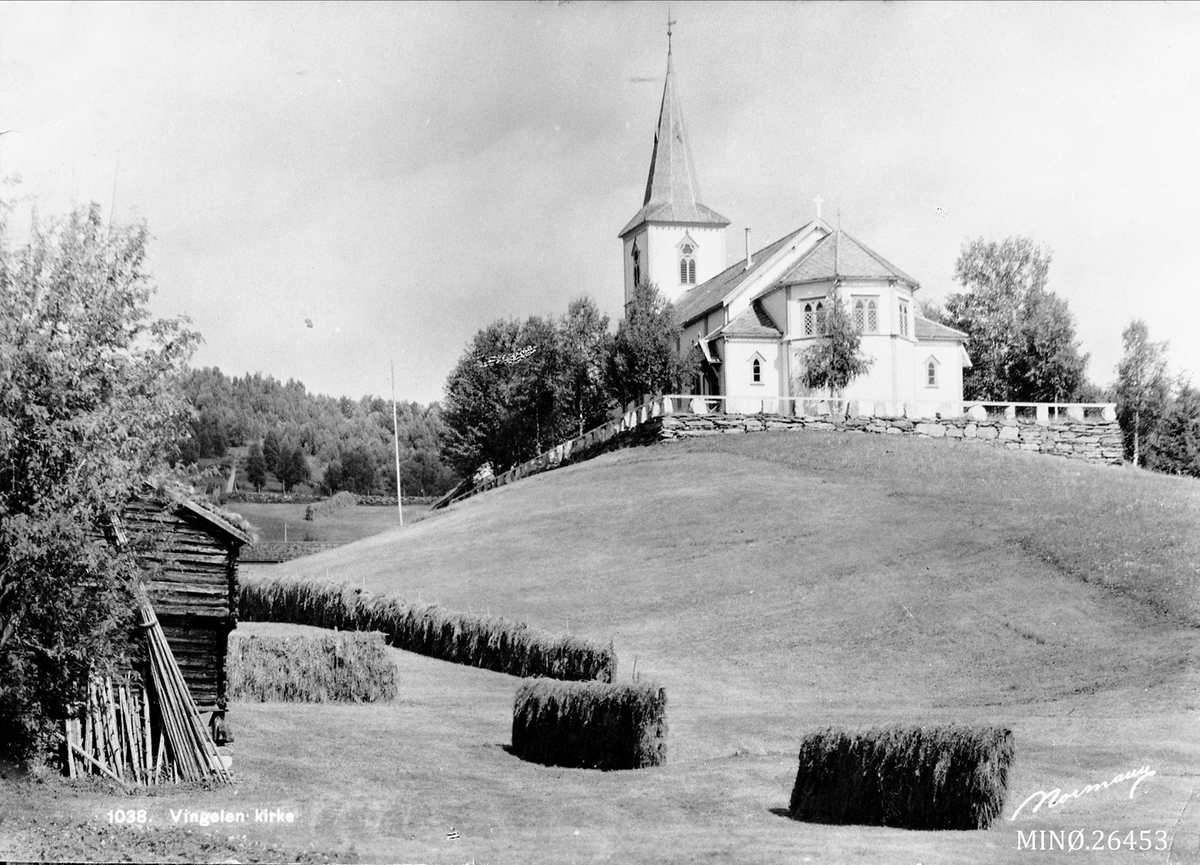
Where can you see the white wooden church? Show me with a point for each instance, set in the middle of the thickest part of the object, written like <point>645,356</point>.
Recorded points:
<point>753,320</point>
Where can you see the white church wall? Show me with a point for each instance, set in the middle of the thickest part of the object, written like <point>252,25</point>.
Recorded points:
<point>798,295</point>
<point>775,304</point>
<point>878,384</point>
<point>743,395</point>
<point>663,243</point>
<point>639,238</point>
<point>946,395</point>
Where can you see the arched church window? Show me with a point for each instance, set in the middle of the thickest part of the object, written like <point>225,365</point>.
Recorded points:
<point>820,317</point>
<point>866,315</point>
<point>903,318</point>
<point>808,319</point>
<point>687,265</point>
<point>636,254</point>
<point>931,373</point>
<point>756,371</point>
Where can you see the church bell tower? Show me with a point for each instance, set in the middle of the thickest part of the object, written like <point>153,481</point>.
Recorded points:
<point>674,241</point>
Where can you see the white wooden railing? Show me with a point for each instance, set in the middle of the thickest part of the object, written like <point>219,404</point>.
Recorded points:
<point>1037,412</point>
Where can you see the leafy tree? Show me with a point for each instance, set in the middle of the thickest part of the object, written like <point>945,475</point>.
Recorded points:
<point>89,407</point>
<point>272,451</point>
<point>1142,387</point>
<point>358,471</point>
<point>834,360</point>
<point>209,435</point>
<point>644,357</point>
<point>293,468</point>
<point>586,340</point>
<point>256,467</point>
<point>424,474</point>
<point>504,397</point>
<point>1021,335</point>
<point>1177,450</point>
<point>1049,367</point>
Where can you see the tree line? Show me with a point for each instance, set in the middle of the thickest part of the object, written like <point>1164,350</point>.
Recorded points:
<point>1022,342</point>
<point>521,388</point>
<point>332,443</point>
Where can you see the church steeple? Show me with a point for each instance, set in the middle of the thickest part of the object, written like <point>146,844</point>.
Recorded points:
<point>672,207</point>
<point>672,190</point>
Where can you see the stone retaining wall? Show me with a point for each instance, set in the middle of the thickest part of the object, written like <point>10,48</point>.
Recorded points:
<point>1095,442</point>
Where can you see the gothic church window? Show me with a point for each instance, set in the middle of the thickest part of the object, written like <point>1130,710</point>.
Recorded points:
<point>814,318</point>
<point>756,371</point>
<point>931,366</point>
<point>903,318</point>
<point>687,265</point>
<point>637,264</point>
<point>866,315</point>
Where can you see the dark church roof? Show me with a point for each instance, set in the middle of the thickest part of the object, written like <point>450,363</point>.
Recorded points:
<point>840,256</point>
<point>754,323</point>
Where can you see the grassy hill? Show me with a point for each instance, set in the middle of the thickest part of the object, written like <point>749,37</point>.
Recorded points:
<point>774,584</point>
<point>925,572</point>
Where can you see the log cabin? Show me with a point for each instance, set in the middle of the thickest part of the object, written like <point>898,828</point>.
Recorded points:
<point>190,553</point>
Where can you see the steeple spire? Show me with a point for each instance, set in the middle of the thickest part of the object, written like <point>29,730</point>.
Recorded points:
<point>673,241</point>
<point>672,190</point>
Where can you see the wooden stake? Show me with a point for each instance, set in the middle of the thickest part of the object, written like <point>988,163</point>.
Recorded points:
<point>146,739</point>
<point>103,769</point>
<point>70,741</point>
<point>114,739</point>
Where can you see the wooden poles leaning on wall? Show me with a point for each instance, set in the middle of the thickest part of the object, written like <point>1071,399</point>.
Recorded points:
<point>143,734</point>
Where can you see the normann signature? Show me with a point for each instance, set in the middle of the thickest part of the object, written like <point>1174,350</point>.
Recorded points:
<point>1056,797</point>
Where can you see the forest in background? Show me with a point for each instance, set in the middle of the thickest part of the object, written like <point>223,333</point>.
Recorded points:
<point>328,443</point>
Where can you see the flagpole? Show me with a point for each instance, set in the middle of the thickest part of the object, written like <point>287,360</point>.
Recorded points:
<point>396,438</point>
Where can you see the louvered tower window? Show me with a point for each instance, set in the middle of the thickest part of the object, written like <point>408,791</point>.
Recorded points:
<point>687,265</point>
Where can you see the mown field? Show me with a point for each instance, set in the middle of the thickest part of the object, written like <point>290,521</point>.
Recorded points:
<point>774,584</point>
<point>339,526</point>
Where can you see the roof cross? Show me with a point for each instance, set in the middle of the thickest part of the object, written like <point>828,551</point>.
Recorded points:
<point>670,22</point>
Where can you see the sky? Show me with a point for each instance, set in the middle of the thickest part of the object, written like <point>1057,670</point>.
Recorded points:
<point>402,175</point>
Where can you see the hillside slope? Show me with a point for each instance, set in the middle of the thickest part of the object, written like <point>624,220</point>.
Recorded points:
<point>814,577</point>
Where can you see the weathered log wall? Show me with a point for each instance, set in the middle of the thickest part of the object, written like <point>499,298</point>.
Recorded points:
<point>192,583</point>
